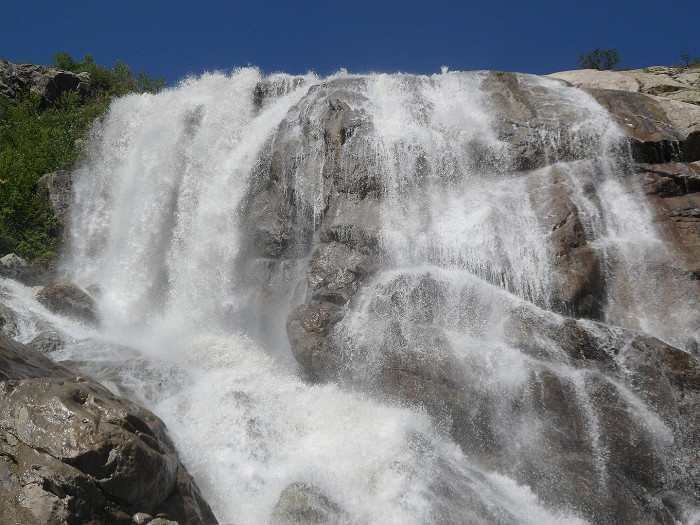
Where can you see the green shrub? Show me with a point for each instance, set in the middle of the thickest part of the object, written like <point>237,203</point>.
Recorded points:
<point>34,142</point>
<point>115,81</point>
<point>599,59</point>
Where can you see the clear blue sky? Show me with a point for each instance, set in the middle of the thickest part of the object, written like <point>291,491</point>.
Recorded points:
<point>174,38</point>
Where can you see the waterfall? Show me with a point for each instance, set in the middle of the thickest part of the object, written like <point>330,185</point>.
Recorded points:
<point>467,289</point>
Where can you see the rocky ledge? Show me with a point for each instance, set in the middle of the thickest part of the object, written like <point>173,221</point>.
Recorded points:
<point>49,83</point>
<point>71,452</point>
<point>675,83</point>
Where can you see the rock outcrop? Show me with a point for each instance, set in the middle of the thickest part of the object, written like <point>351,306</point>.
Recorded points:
<point>675,83</point>
<point>71,452</point>
<point>49,83</point>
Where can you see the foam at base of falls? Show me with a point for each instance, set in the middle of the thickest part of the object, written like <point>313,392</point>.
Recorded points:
<point>246,428</point>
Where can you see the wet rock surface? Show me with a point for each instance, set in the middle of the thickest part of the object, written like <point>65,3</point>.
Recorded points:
<point>306,503</point>
<point>66,298</point>
<point>71,452</point>
<point>673,189</point>
<point>338,233</point>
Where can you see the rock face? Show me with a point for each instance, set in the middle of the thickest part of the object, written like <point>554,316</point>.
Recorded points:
<point>71,452</point>
<point>664,135</point>
<point>405,334</point>
<point>47,82</point>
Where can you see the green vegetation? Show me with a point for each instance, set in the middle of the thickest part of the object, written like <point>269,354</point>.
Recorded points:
<point>36,140</point>
<point>599,59</point>
<point>115,81</point>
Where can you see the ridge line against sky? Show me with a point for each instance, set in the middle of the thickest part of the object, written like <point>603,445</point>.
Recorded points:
<point>177,38</point>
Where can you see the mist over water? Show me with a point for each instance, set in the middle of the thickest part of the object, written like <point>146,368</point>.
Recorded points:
<point>158,224</point>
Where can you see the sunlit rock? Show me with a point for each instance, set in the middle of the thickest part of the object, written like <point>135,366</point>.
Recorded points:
<point>72,451</point>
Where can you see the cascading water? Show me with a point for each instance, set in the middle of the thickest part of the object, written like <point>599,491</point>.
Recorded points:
<point>468,268</point>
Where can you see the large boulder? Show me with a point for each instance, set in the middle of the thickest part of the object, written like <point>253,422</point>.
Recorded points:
<point>72,452</point>
<point>66,298</point>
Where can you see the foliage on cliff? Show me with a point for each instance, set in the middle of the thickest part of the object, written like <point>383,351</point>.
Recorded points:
<point>36,140</point>
<point>115,81</point>
<point>601,59</point>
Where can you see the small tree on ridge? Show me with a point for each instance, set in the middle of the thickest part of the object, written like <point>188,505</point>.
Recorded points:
<point>599,59</point>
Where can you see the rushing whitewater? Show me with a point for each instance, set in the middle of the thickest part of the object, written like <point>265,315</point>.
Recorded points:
<point>400,232</point>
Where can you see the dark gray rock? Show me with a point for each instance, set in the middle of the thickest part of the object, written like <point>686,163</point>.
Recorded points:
<point>8,321</point>
<point>274,87</point>
<point>48,82</point>
<point>47,342</point>
<point>65,298</point>
<point>16,268</point>
<point>71,452</point>
<point>13,261</point>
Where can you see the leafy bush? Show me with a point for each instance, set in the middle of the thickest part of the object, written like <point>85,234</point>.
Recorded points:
<point>36,140</point>
<point>599,59</point>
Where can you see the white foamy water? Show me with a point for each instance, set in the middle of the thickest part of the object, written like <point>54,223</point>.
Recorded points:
<point>157,224</point>
<point>246,428</point>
